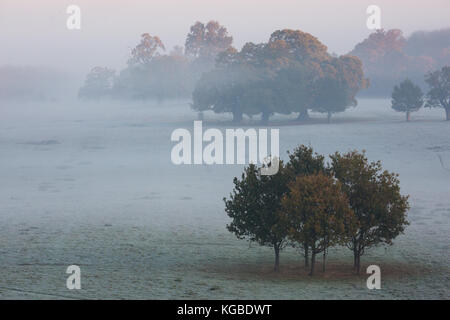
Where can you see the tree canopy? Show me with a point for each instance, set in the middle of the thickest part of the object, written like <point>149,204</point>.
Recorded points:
<point>389,57</point>
<point>151,74</point>
<point>439,93</point>
<point>313,206</point>
<point>407,97</point>
<point>146,50</point>
<point>253,207</point>
<point>317,214</point>
<point>374,196</point>
<point>206,41</point>
<point>284,75</point>
<point>98,83</point>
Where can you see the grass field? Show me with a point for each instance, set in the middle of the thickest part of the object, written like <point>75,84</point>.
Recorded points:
<point>93,185</point>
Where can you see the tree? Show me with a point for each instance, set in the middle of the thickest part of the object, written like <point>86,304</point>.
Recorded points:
<point>150,74</point>
<point>146,50</point>
<point>287,74</point>
<point>336,89</point>
<point>303,161</point>
<point>205,42</point>
<point>98,83</point>
<point>407,97</point>
<point>253,207</point>
<point>384,60</point>
<point>222,90</point>
<point>317,213</point>
<point>434,45</point>
<point>295,90</point>
<point>296,57</point>
<point>235,86</point>
<point>261,78</point>
<point>331,97</point>
<point>297,45</point>
<point>439,94</point>
<point>374,196</point>
<point>389,57</point>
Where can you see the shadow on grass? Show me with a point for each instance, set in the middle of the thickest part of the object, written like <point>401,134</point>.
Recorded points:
<point>335,270</point>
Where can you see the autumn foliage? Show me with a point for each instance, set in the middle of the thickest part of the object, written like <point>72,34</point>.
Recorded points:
<point>311,206</point>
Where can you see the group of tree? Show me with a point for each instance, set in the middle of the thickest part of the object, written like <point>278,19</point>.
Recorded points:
<point>388,57</point>
<point>153,75</point>
<point>291,73</point>
<point>314,206</point>
<point>408,97</point>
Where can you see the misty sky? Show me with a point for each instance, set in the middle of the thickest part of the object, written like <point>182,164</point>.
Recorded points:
<point>34,32</point>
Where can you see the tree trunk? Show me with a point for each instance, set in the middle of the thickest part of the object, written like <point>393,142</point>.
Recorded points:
<point>277,258</point>
<point>358,264</point>
<point>324,260</point>
<point>447,113</point>
<point>313,261</point>
<point>408,116</point>
<point>303,115</point>
<point>237,116</point>
<point>329,117</point>
<point>265,117</point>
<point>306,254</point>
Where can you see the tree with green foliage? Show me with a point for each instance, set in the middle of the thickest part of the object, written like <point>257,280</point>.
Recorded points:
<point>375,198</point>
<point>407,97</point>
<point>317,213</point>
<point>303,161</point>
<point>439,94</point>
<point>253,207</point>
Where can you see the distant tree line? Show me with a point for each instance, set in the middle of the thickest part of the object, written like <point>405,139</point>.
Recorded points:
<point>314,206</point>
<point>153,75</point>
<point>35,83</point>
<point>389,57</point>
<point>291,73</point>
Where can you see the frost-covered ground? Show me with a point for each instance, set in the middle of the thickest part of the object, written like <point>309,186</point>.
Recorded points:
<point>93,185</point>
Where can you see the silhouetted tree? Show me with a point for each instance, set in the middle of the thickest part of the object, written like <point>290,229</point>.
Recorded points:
<point>439,93</point>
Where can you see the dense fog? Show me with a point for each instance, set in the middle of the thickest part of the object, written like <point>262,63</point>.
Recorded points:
<point>87,122</point>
